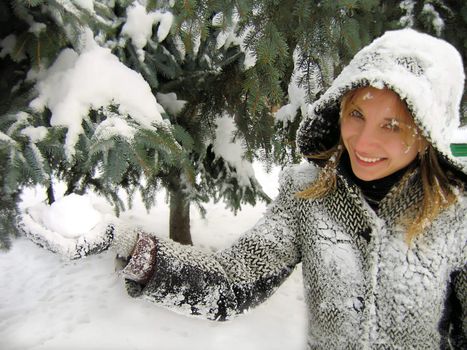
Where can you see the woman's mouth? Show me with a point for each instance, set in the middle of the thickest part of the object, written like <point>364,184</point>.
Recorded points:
<point>368,160</point>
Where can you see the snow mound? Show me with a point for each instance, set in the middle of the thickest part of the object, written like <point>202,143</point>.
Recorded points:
<point>71,216</point>
<point>69,222</point>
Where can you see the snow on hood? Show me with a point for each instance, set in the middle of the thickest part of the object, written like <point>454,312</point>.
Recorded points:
<point>426,72</point>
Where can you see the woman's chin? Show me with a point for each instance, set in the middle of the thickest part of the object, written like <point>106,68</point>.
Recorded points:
<point>369,171</point>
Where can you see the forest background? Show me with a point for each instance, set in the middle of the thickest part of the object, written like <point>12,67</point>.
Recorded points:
<point>126,97</point>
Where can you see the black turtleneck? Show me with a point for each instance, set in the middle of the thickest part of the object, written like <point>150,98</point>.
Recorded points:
<point>373,191</point>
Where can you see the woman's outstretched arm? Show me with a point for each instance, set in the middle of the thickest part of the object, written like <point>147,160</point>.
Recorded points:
<point>218,286</point>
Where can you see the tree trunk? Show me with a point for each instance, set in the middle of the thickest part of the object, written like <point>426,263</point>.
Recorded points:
<point>50,194</point>
<point>179,218</point>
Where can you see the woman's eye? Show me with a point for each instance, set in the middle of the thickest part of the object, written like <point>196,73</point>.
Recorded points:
<point>392,125</point>
<point>356,114</point>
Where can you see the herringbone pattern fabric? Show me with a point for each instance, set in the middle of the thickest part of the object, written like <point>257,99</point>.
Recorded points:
<point>361,293</point>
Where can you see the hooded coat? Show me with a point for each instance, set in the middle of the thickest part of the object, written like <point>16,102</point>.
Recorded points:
<point>365,288</point>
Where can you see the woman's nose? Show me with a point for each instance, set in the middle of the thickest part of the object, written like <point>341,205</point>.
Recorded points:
<point>367,137</point>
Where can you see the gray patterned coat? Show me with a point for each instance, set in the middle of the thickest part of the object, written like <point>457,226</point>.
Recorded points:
<point>364,287</point>
<point>360,294</point>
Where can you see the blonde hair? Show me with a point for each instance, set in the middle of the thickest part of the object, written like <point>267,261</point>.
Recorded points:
<point>437,185</point>
<point>438,193</point>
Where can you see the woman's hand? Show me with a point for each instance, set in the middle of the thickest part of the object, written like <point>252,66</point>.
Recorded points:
<point>99,238</point>
<point>135,249</point>
<point>142,261</point>
<point>109,233</point>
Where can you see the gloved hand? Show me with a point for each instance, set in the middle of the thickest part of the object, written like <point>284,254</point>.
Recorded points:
<point>117,235</point>
<point>98,239</point>
<point>143,259</point>
<point>125,240</point>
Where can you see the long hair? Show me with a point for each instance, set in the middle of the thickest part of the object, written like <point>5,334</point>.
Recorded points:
<point>439,192</point>
<point>439,186</point>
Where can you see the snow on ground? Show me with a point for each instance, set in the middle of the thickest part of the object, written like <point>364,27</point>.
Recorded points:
<point>48,302</point>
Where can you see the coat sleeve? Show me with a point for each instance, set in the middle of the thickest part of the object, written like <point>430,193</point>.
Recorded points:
<point>220,285</point>
<point>458,328</point>
<point>457,332</point>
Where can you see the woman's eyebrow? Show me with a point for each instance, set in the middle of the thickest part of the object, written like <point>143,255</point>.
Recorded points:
<point>396,119</point>
<point>356,106</point>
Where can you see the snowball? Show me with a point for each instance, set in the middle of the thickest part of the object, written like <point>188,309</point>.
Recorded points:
<point>71,216</point>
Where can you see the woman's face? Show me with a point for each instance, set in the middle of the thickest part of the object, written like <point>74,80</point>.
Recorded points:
<point>378,133</point>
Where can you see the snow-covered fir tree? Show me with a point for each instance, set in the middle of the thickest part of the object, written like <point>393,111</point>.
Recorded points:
<point>181,95</point>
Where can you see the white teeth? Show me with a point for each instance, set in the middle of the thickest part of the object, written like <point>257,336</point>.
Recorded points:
<point>368,160</point>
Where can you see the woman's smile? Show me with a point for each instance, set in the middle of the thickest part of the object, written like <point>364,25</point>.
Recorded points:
<point>376,131</point>
<point>368,160</point>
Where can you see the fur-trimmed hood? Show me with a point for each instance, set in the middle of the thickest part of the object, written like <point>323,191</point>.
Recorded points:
<point>426,72</point>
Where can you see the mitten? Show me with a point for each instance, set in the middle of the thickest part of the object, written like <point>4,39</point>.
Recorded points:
<point>143,259</point>
<point>98,239</point>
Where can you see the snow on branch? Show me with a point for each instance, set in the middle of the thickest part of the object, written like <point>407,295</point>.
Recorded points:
<point>5,138</point>
<point>296,94</point>
<point>115,127</point>
<point>35,134</point>
<point>436,20</point>
<point>139,25</point>
<point>232,150</point>
<point>8,45</point>
<point>86,4</point>
<point>77,83</point>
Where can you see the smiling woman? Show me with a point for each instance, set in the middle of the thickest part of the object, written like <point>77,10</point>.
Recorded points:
<point>379,143</point>
<point>378,133</point>
<point>377,217</point>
